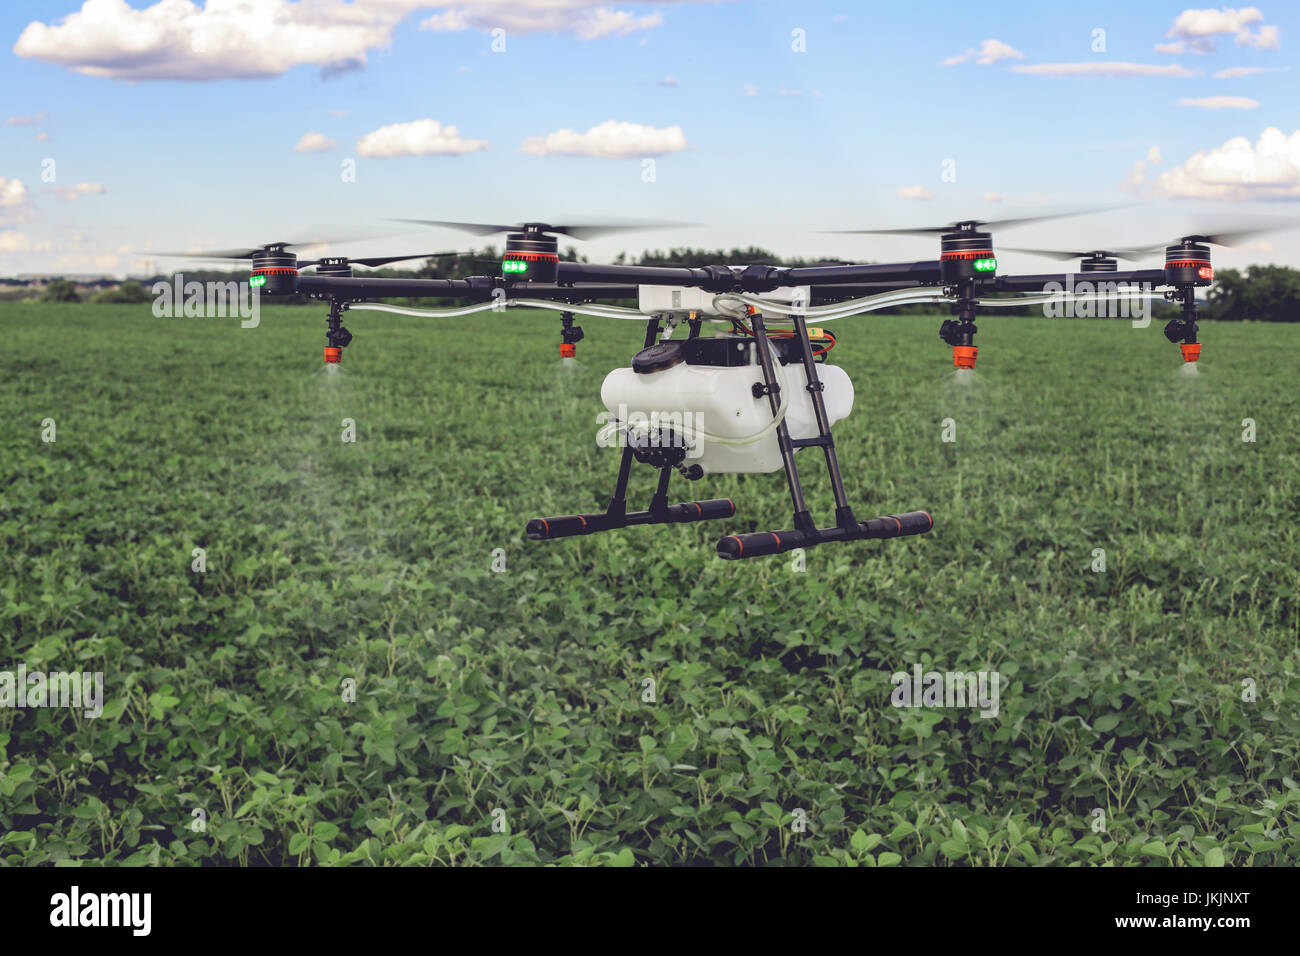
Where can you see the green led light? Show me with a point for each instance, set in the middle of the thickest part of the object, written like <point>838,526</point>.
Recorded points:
<point>986,265</point>
<point>257,281</point>
<point>513,265</point>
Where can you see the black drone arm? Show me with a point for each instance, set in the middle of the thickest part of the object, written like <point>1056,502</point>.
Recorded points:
<point>1154,277</point>
<point>379,288</point>
<point>902,274</point>
<point>754,278</point>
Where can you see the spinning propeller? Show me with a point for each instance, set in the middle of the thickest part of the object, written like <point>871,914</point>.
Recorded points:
<point>532,249</point>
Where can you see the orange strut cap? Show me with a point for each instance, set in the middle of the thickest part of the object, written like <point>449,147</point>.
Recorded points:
<point>567,350</point>
<point>1191,352</point>
<point>333,356</point>
<point>963,356</point>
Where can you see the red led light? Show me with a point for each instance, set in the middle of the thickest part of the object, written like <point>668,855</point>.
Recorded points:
<point>1205,272</point>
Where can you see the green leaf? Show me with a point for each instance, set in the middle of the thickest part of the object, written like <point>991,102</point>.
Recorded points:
<point>1105,723</point>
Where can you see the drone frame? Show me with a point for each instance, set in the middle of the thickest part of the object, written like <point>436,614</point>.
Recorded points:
<point>961,274</point>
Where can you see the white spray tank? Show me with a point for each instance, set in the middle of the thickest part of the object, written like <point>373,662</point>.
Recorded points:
<point>685,388</point>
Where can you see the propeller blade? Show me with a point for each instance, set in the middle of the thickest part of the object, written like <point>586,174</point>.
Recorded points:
<point>473,228</point>
<point>1235,237</point>
<point>980,223</point>
<point>580,232</point>
<point>596,230</point>
<point>1228,234</point>
<point>214,254</point>
<point>1062,255</point>
<point>374,261</point>
<point>246,252</point>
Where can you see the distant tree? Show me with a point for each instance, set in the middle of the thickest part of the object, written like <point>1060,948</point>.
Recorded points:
<point>60,290</point>
<point>128,292</point>
<point>1262,294</point>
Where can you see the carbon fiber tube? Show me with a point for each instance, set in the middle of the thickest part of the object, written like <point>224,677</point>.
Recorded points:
<point>759,543</point>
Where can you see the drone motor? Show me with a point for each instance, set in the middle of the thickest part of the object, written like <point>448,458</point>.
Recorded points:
<point>531,254</point>
<point>276,268</point>
<point>1187,262</point>
<point>966,254</point>
<point>1099,262</point>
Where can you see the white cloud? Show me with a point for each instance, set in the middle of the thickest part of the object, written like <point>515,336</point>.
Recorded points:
<point>314,143</point>
<point>1103,68</point>
<point>1196,29</point>
<point>915,192</point>
<point>609,140</point>
<point>585,19</point>
<point>1237,170</point>
<point>603,22</point>
<point>749,89</point>
<point>181,40</point>
<point>42,136</point>
<point>80,189</point>
<point>14,201</point>
<point>424,137</point>
<point>668,81</point>
<point>993,197</point>
<point>1234,72</point>
<point>990,52</point>
<point>1208,23</point>
<point>1265,39</point>
<point>25,120</point>
<point>1178,47</point>
<point>1137,174</point>
<point>11,241</point>
<point>177,40</point>
<point>1221,102</point>
<point>787,92</point>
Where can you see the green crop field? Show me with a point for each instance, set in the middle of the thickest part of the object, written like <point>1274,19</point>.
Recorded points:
<point>351,681</point>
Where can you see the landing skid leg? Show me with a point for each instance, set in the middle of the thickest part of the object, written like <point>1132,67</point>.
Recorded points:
<point>805,532</point>
<point>617,515</point>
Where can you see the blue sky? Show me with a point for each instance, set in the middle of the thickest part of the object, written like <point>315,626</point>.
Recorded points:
<point>778,143</point>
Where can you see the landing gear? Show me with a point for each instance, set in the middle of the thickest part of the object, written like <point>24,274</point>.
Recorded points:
<point>805,533</point>
<point>666,456</point>
<point>660,450</point>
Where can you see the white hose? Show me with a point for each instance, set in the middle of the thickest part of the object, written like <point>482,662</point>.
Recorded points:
<point>604,312</point>
<point>404,310</point>
<point>1038,298</point>
<point>837,310</point>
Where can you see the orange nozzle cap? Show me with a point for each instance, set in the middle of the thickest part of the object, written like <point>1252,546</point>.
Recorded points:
<point>333,356</point>
<point>1191,352</point>
<point>568,351</point>
<point>963,356</point>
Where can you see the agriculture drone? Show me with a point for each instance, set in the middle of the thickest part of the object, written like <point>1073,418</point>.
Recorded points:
<point>746,399</point>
